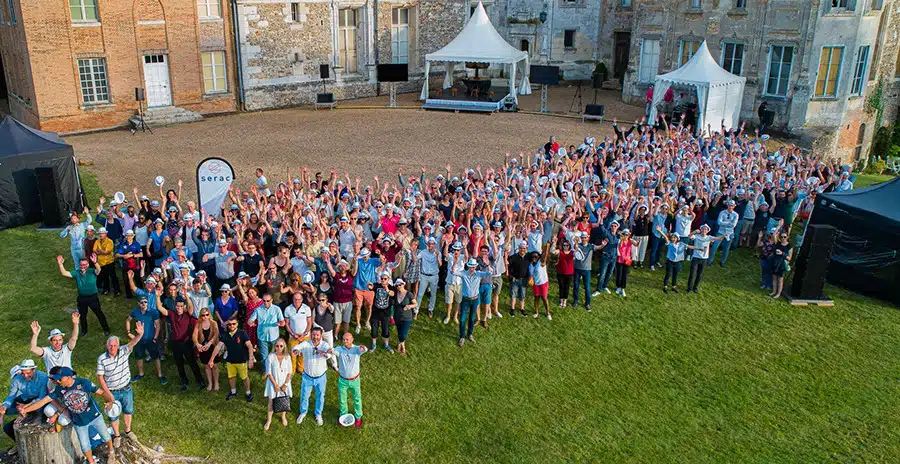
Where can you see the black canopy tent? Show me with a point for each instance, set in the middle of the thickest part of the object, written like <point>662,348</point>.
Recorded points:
<point>22,149</point>
<point>866,256</point>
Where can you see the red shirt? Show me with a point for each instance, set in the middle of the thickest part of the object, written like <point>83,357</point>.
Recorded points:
<point>343,288</point>
<point>566,263</point>
<point>182,325</point>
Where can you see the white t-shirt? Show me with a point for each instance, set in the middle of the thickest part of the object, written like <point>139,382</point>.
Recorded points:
<point>297,318</point>
<point>63,357</point>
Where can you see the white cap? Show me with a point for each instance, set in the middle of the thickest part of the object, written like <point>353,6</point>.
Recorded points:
<point>54,333</point>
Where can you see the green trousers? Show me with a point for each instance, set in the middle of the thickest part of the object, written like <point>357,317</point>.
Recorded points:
<point>353,386</point>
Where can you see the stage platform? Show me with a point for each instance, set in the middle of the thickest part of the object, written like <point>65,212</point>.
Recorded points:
<point>447,101</point>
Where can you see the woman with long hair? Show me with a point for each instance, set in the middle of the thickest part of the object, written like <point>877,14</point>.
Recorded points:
<point>206,336</point>
<point>251,301</point>
<point>565,270</point>
<point>781,264</point>
<point>404,302</point>
<point>278,379</point>
<point>624,261</point>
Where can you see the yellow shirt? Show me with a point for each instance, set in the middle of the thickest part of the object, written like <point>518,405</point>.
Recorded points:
<point>104,250</point>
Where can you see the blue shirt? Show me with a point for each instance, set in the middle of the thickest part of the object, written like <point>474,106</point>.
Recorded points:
<point>365,272</point>
<point>659,220</point>
<point>471,283</point>
<point>147,318</point>
<point>683,225</point>
<point>429,262</point>
<point>611,250</point>
<point>78,399</point>
<point>675,251</point>
<point>26,391</point>
<point>701,242</point>
<point>267,322</point>
<point>225,310</point>
<point>150,296</point>
<point>727,222</point>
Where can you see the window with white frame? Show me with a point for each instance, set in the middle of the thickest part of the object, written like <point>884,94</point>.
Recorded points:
<point>83,10</point>
<point>733,57</point>
<point>687,50</point>
<point>400,35</point>
<point>94,83</point>
<point>214,72</point>
<point>209,9</point>
<point>649,66</point>
<point>295,12</point>
<point>859,71</point>
<point>781,59</point>
<point>347,40</point>
<point>829,71</point>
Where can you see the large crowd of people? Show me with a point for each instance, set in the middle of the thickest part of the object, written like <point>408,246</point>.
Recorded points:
<point>289,267</point>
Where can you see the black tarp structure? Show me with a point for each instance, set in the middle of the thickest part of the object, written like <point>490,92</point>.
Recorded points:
<point>866,256</point>
<point>22,149</point>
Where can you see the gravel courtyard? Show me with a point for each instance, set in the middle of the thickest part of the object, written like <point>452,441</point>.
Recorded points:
<point>362,142</point>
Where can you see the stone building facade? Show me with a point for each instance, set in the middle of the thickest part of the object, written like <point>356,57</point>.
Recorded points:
<point>283,44</point>
<point>815,62</point>
<point>74,65</point>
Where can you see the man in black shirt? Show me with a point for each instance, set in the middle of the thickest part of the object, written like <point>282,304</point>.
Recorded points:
<point>518,274</point>
<point>239,357</point>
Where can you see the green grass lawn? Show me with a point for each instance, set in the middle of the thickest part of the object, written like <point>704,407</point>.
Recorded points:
<point>865,180</point>
<point>725,376</point>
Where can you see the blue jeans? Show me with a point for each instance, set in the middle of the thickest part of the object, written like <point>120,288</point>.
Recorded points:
<point>765,265</point>
<point>84,433</point>
<point>582,277</point>
<point>307,384</point>
<point>264,348</point>
<point>655,243</point>
<point>715,247</point>
<point>467,312</point>
<point>425,283</point>
<point>606,271</point>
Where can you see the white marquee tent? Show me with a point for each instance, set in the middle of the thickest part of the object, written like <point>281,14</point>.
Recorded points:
<point>480,42</point>
<point>719,93</point>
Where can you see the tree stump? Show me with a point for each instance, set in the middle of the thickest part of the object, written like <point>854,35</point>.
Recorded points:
<point>40,445</point>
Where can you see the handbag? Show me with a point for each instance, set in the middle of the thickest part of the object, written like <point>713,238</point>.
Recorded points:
<point>281,403</point>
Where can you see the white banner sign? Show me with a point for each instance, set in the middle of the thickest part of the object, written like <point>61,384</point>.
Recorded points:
<point>214,176</point>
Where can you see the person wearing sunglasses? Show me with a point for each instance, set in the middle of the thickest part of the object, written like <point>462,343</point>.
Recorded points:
<point>206,337</point>
<point>268,320</point>
<point>238,357</point>
<point>781,264</point>
<point>278,379</point>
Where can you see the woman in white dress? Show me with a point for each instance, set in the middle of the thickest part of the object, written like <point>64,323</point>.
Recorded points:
<point>278,379</point>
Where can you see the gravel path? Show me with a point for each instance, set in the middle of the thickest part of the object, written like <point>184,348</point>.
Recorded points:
<point>358,141</point>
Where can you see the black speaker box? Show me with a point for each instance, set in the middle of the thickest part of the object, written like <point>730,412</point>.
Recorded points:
<point>545,75</point>
<point>811,264</point>
<point>138,94</point>
<point>325,97</point>
<point>392,72</point>
<point>597,81</point>
<point>324,71</point>
<point>53,211</point>
<point>594,110</point>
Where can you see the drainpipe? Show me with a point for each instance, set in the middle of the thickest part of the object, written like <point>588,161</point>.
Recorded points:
<point>237,54</point>
<point>375,32</point>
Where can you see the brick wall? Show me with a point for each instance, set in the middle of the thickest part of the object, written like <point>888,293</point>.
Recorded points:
<point>124,33</point>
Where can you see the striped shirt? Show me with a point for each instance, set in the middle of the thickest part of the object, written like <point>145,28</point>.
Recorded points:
<point>115,370</point>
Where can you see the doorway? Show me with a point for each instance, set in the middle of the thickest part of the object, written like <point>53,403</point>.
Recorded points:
<point>525,46</point>
<point>156,79</point>
<point>620,54</point>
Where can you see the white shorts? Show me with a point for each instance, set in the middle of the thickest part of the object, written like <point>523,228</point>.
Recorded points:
<point>453,294</point>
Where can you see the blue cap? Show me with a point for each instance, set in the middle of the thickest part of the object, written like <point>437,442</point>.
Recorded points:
<point>63,372</point>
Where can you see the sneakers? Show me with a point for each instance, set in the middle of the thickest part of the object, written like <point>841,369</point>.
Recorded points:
<point>597,293</point>
<point>522,311</point>
<point>388,348</point>
<point>372,348</point>
<point>607,291</point>
<point>130,435</point>
<point>536,315</point>
<point>674,289</point>
<point>137,378</point>
<point>358,423</point>
<point>618,290</point>
<point>461,342</point>
<point>471,339</point>
<point>652,268</point>
<point>512,313</point>
<point>300,418</point>
<point>368,326</point>
<point>447,320</point>
<point>117,441</point>
<point>163,381</point>
<point>230,395</point>
<point>588,308</point>
<point>499,316</point>
<point>622,293</point>
<point>549,317</point>
<point>490,315</point>
<point>319,421</point>
<point>249,396</point>
<point>665,289</point>
<point>357,330</point>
